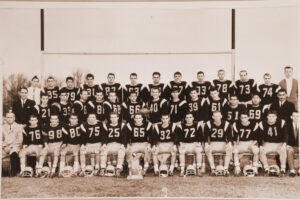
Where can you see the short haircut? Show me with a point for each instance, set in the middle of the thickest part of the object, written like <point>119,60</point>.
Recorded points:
<point>175,90</point>
<point>50,77</point>
<point>288,67</point>
<point>10,112</point>
<point>35,77</point>
<point>234,95</point>
<point>156,73</point>
<point>256,94</point>
<point>213,89</point>
<point>243,71</point>
<point>177,73</point>
<point>113,113</point>
<point>33,116</point>
<point>166,114</point>
<point>188,113</point>
<point>267,74</point>
<point>43,94</point>
<point>111,92</point>
<point>54,115</point>
<point>217,111</point>
<point>99,91</point>
<point>133,92</point>
<point>272,112</point>
<point>90,75</point>
<point>62,92</point>
<point>282,90</point>
<point>138,113</point>
<point>133,74</point>
<point>193,89</point>
<point>92,113</point>
<point>200,72</point>
<point>69,78</point>
<point>155,88</point>
<point>83,90</point>
<point>221,70</point>
<point>110,74</point>
<point>23,88</point>
<point>244,112</point>
<point>73,115</point>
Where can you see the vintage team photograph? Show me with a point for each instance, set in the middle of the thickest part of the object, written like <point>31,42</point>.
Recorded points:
<point>150,99</point>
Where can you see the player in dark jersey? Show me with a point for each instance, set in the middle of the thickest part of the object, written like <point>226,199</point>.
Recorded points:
<point>225,87</point>
<point>268,90</point>
<point>256,110</point>
<point>52,135</point>
<point>51,90</point>
<point>80,107</point>
<point>43,110</point>
<point>93,134</point>
<point>157,106</point>
<point>32,142</point>
<point>72,140</point>
<point>132,107</point>
<point>218,139</point>
<point>215,102</point>
<point>114,143</point>
<point>178,108</point>
<point>165,139</point>
<point>156,83</point>
<point>198,107</point>
<point>62,108</point>
<point>111,105</point>
<point>274,139</point>
<point>233,109</point>
<point>177,83</point>
<point>202,87</point>
<point>190,138</point>
<point>111,86</point>
<point>72,92</point>
<point>97,106</point>
<point>245,88</point>
<point>245,140</point>
<point>139,139</point>
<point>90,87</point>
<point>133,87</point>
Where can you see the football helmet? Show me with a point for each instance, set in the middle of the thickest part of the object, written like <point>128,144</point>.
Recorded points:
<point>274,170</point>
<point>28,172</point>
<point>191,170</point>
<point>67,172</point>
<point>163,171</point>
<point>249,171</point>
<point>110,171</point>
<point>220,171</point>
<point>88,172</point>
<point>45,172</point>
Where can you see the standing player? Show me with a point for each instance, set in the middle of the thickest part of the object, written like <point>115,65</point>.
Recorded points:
<point>114,143</point>
<point>245,140</point>
<point>198,107</point>
<point>202,87</point>
<point>51,90</point>
<point>72,92</point>
<point>157,106</point>
<point>190,138</point>
<point>225,87</point>
<point>43,110</point>
<point>80,106</point>
<point>52,134</point>
<point>218,138</point>
<point>62,108</point>
<point>111,105</point>
<point>256,110</point>
<point>178,108</point>
<point>133,87</point>
<point>90,87</point>
<point>156,83</point>
<point>215,102</point>
<point>132,107</point>
<point>274,139</point>
<point>177,83</point>
<point>165,138</point>
<point>268,90</point>
<point>233,109</point>
<point>245,87</point>
<point>97,106</point>
<point>111,86</point>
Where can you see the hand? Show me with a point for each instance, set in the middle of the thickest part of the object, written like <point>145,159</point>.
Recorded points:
<point>46,147</point>
<point>25,146</point>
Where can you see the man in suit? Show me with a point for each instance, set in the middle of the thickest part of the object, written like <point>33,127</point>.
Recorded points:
<point>293,142</point>
<point>290,85</point>
<point>283,107</point>
<point>23,107</point>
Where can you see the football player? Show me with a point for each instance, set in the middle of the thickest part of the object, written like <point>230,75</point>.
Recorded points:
<point>215,102</point>
<point>139,139</point>
<point>114,143</point>
<point>62,108</point>
<point>52,134</point>
<point>133,87</point>
<point>177,83</point>
<point>268,90</point>
<point>32,142</point>
<point>80,106</point>
<point>93,133</point>
<point>293,142</point>
<point>178,108</point>
<point>157,106</point>
<point>111,86</point>
<point>90,87</point>
<point>97,106</point>
<point>198,107</point>
<point>51,90</point>
<point>256,110</point>
<point>218,139</point>
<point>72,92</point>
<point>245,87</point>
<point>156,83</point>
<point>274,139</point>
<point>130,108</point>
<point>245,140</point>
<point>165,139</point>
<point>225,87</point>
<point>233,109</point>
<point>202,87</point>
<point>111,105</point>
<point>72,140</point>
<point>43,110</point>
<point>190,138</point>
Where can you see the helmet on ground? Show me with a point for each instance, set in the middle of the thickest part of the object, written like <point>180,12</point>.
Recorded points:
<point>28,172</point>
<point>67,171</point>
<point>220,171</point>
<point>274,170</point>
<point>249,171</point>
<point>45,172</point>
<point>163,171</point>
<point>89,169</point>
<point>110,170</point>
<point>190,170</point>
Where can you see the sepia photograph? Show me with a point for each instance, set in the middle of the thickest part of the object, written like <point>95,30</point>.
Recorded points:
<point>150,99</point>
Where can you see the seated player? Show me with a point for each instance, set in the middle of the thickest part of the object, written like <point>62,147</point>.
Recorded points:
<point>51,90</point>
<point>225,87</point>
<point>62,108</point>
<point>97,106</point>
<point>233,109</point>
<point>32,142</point>
<point>215,102</point>
<point>268,90</point>
<point>92,137</point>
<point>293,142</point>
<point>90,87</point>
<point>52,134</point>
<point>245,140</point>
<point>79,107</point>
<point>177,83</point>
<point>190,138</point>
<point>139,138</point>
<point>202,87</point>
<point>218,139</point>
<point>72,140</point>
<point>111,86</point>
<point>178,108</point>
<point>114,142</point>
<point>165,141</point>
<point>256,110</point>
<point>156,83</point>
<point>198,107</point>
<point>43,110</point>
<point>133,87</point>
<point>132,107</point>
<point>274,138</point>
<point>72,91</point>
<point>111,105</point>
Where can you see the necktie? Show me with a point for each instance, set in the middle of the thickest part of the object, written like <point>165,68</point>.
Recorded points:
<point>295,131</point>
<point>22,102</point>
<point>33,94</point>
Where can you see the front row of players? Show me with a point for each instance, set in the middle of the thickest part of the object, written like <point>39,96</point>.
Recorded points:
<point>100,140</point>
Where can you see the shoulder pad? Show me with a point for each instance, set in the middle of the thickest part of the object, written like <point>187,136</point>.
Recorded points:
<point>149,125</point>
<point>182,103</point>
<point>129,126</point>
<point>208,124</point>
<point>282,123</point>
<point>174,125</point>
<point>234,127</point>
<point>226,125</point>
<point>91,104</point>
<point>256,126</point>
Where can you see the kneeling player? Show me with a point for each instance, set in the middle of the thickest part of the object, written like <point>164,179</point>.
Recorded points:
<point>164,141</point>
<point>32,142</point>
<point>218,136</point>
<point>245,140</point>
<point>190,138</point>
<point>113,143</point>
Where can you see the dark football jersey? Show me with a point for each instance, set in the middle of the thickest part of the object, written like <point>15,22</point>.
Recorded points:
<point>32,135</point>
<point>165,134</point>
<point>199,109</point>
<point>245,133</point>
<point>139,134</point>
<point>112,107</point>
<point>138,88</point>
<point>130,109</point>
<point>53,134</point>
<point>233,114</point>
<point>201,88</point>
<point>268,93</point>
<point>115,133</point>
<point>43,114</point>
<point>216,105</point>
<point>53,94</point>
<point>178,110</point>
<point>182,86</point>
<point>148,90</point>
<point>245,90</point>
<point>91,91</point>
<point>256,113</point>
<point>189,134</point>
<point>62,110</point>
<point>275,133</point>
<point>98,108</point>
<point>73,134</point>
<point>225,88</point>
<point>107,88</point>
<point>92,133</point>
<point>80,109</point>
<point>73,94</point>
<point>157,109</point>
<point>214,133</point>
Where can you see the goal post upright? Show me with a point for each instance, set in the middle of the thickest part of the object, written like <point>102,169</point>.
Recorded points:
<point>233,45</point>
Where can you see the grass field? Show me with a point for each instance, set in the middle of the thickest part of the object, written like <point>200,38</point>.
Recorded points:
<point>207,186</point>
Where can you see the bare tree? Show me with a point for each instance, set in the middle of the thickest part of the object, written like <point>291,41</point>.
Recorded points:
<point>77,75</point>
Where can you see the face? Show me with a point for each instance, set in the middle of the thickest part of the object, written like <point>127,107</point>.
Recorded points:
<point>114,118</point>
<point>165,119</point>
<point>288,73</point>
<point>10,118</point>
<point>295,117</point>
<point>189,119</point>
<point>244,119</point>
<point>63,97</point>
<point>35,82</point>
<point>281,96</point>
<point>200,77</point>
<point>221,75</point>
<point>234,101</point>
<point>138,119</point>
<point>177,78</point>
<point>54,120</point>
<point>272,118</point>
<point>90,81</point>
<point>73,120</point>
<point>91,119</point>
<point>217,116</point>
<point>99,96</point>
<point>256,100</point>
<point>155,94</point>
<point>112,97</point>
<point>133,80</point>
<point>193,94</point>
<point>133,97</point>
<point>156,78</point>
<point>175,94</point>
<point>111,79</point>
<point>84,95</point>
<point>243,76</point>
<point>70,83</point>
<point>23,94</point>
<point>214,94</point>
<point>44,100</point>
<point>267,80</point>
<point>33,121</point>
<point>51,82</point>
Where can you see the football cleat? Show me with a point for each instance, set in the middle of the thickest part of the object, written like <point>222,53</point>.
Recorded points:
<point>89,170</point>
<point>213,172</point>
<point>110,171</point>
<point>199,172</point>
<point>67,172</point>
<point>249,171</point>
<point>226,173</point>
<point>292,173</point>
<point>102,172</point>
<point>45,172</point>
<point>237,170</point>
<point>274,170</point>
<point>28,172</point>
<point>156,172</point>
<point>118,172</point>
<point>171,173</point>
<point>163,171</point>
<point>181,173</point>
<point>220,171</point>
<point>191,170</point>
